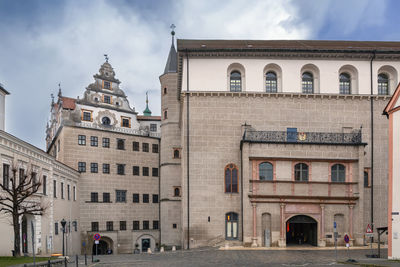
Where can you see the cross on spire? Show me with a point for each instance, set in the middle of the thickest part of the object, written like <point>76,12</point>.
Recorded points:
<point>172,32</point>
<point>106,57</point>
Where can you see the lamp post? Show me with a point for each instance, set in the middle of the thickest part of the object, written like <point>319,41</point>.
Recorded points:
<point>63,222</point>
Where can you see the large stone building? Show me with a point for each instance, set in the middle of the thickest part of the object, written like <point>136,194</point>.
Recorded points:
<point>116,152</point>
<point>57,193</point>
<point>268,143</point>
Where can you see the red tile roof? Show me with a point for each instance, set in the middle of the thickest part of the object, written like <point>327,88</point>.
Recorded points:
<point>149,118</point>
<point>68,103</point>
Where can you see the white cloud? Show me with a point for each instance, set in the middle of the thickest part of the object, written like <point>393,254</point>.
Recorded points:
<point>70,47</point>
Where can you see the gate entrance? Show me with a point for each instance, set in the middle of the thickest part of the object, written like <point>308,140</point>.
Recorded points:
<point>301,230</point>
<point>102,248</point>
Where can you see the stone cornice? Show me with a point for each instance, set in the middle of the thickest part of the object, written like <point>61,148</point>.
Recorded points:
<point>282,95</point>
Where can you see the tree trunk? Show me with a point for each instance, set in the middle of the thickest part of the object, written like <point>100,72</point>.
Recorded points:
<point>17,241</point>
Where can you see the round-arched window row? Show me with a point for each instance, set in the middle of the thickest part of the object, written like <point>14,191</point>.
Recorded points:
<point>344,84</point>
<point>236,81</point>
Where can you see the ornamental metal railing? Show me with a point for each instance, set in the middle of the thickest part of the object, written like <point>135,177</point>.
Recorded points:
<point>353,138</point>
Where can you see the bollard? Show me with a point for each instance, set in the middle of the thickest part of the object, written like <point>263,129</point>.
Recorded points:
<point>85,260</point>
<point>76,260</point>
<point>65,261</point>
<point>173,248</point>
<point>48,263</point>
<point>149,250</point>
<point>162,249</point>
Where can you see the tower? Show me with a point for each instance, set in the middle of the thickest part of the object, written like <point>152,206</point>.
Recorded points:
<point>170,163</point>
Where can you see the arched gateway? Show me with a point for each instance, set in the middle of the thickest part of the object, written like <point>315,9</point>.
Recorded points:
<point>301,229</point>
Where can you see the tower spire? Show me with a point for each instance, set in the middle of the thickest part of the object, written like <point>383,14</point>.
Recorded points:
<point>172,62</point>
<point>147,111</point>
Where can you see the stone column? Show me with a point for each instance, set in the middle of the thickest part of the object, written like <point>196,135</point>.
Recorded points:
<point>322,241</point>
<point>254,238</point>
<point>282,241</point>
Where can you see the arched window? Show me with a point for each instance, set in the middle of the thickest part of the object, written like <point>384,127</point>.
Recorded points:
<point>236,81</point>
<point>165,114</point>
<point>177,192</point>
<point>344,84</point>
<point>307,82</point>
<point>231,225</point>
<point>231,179</point>
<point>266,171</point>
<point>338,173</point>
<point>301,172</point>
<point>383,84</point>
<point>176,154</point>
<point>271,82</point>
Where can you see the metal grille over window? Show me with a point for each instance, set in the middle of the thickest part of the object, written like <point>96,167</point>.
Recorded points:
<point>271,83</point>
<point>307,82</point>
<point>345,84</point>
<point>383,84</point>
<point>235,81</point>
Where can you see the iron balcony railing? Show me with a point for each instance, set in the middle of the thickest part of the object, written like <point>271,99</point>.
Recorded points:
<point>353,138</point>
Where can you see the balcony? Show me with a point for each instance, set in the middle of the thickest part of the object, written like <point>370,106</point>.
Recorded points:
<point>353,138</point>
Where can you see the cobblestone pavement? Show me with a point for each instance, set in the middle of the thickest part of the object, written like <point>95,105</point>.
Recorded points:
<point>214,257</point>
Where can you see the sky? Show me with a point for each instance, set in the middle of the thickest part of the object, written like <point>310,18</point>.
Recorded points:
<point>47,42</point>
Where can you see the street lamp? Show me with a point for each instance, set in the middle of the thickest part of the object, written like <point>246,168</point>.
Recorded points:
<point>63,222</point>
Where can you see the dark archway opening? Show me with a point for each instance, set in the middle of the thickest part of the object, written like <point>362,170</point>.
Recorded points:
<point>301,230</point>
<point>102,248</point>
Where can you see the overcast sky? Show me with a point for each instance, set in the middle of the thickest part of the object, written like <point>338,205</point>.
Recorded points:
<point>44,42</point>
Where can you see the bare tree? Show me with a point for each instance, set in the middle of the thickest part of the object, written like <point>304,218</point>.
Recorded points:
<point>18,197</point>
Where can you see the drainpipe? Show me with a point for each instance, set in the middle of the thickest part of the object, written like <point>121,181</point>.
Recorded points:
<point>159,189</point>
<point>241,185</point>
<point>187,149</point>
<point>372,143</point>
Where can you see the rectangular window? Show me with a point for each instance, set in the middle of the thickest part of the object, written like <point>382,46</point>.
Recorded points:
<point>174,225</point>
<point>136,170</point>
<point>106,168</point>
<point>120,144</point>
<point>106,197</point>
<point>62,190</point>
<point>74,192</point>
<point>81,166</point>
<point>153,127</point>
<point>135,198</point>
<point>145,147</point>
<point>145,198</point>
<point>68,192</point>
<point>44,185</point>
<point>54,188</point>
<point>95,226</point>
<point>106,142</point>
<point>94,141</point>
<point>82,140</point>
<point>75,225</point>
<point>145,225</point>
<point>94,197</point>
<point>94,167</point>
<point>21,175</point>
<point>154,148</point>
<point>121,169</point>
<point>6,175</point>
<point>34,180</point>
<point>155,172</point>
<point>56,228</point>
<point>155,225</point>
<point>106,84</point>
<point>120,195</point>
<point>136,225</point>
<point>155,198</point>
<point>135,146</point>
<point>86,115</point>
<point>125,122</point>
<point>145,171</point>
<point>109,226</point>
<point>107,99</point>
<point>122,225</point>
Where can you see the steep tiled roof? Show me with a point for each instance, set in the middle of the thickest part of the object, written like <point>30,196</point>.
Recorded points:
<point>68,103</point>
<point>148,118</point>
